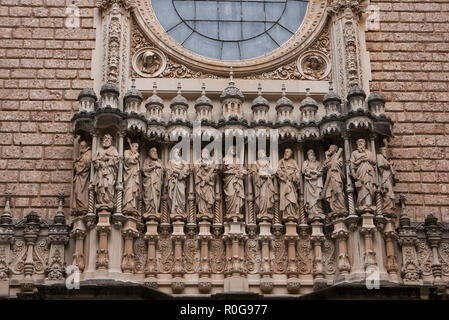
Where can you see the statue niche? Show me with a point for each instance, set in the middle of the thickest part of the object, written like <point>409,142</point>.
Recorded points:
<point>289,180</point>
<point>131,166</point>
<point>153,171</point>
<point>106,161</point>
<point>205,175</point>
<point>263,179</point>
<point>313,186</point>
<point>362,169</point>
<point>233,186</point>
<point>177,173</point>
<point>81,179</point>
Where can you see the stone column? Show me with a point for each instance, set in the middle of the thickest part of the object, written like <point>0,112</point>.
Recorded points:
<point>178,237</point>
<point>410,272</point>
<point>31,232</point>
<point>204,282</point>
<point>390,237</point>
<point>103,228</point>
<point>317,238</point>
<point>291,236</point>
<point>434,234</point>
<point>265,236</point>
<point>118,218</point>
<point>58,235</point>
<point>151,269</point>
<point>341,234</point>
<point>129,233</point>
<point>116,49</point>
<point>346,44</point>
<point>6,239</point>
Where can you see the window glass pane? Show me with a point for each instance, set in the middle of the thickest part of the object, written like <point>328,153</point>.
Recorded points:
<point>252,29</point>
<point>253,11</point>
<point>208,29</point>
<point>229,10</point>
<point>185,9</point>
<point>230,51</point>
<point>279,34</point>
<point>180,33</point>
<point>206,47</point>
<point>274,11</point>
<point>230,31</point>
<point>165,12</point>
<point>206,10</point>
<point>257,46</point>
<point>293,15</point>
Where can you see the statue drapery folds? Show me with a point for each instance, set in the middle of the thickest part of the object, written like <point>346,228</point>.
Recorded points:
<point>106,161</point>
<point>289,181</point>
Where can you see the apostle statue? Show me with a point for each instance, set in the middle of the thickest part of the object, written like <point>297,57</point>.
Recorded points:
<point>152,171</point>
<point>333,190</point>
<point>263,179</point>
<point>131,166</point>
<point>362,169</point>
<point>234,174</point>
<point>289,181</point>
<point>106,161</point>
<point>386,173</point>
<point>313,185</point>
<point>205,174</point>
<point>81,179</point>
<point>177,173</point>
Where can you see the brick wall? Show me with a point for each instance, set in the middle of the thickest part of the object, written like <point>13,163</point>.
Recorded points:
<point>410,66</point>
<point>43,65</point>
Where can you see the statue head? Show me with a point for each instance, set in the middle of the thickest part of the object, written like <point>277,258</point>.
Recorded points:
<point>153,153</point>
<point>107,140</point>
<point>176,154</point>
<point>311,155</point>
<point>288,153</point>
<point>83,146</point>
<point>135,147</point>
<point>384,152</point>
<point>361,145</point>
<point>332,149</point>
<point>148,59</point>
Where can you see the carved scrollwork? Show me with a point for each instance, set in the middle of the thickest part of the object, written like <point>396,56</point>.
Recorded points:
<point>424,257</point>
<point>329,256</point>
<point>217,256</point>
<point>303,256</point>
<point>252,257</point>
<point>40,256</point>
<point>166,260</point>
<point>280,256</point>
<point>444,256</point>
<point>18,256</point>
<point>140,255</point>
<point>191,260</point>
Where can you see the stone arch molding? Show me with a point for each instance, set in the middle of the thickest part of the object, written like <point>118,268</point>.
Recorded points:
<point>314,22</point>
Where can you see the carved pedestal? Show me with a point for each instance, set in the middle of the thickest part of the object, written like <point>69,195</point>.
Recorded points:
<point>204,283</point>
<point>318,238</point>
<point>103,228</point>
<point>178,238</point>
<point>390,238</point>
<point>151,270</point>
<point>129,233</point>
<point>78,233</point>
<point>291,236</point>
<point>341,233</point>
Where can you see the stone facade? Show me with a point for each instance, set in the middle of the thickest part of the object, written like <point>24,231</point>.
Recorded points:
<point>128,210</point>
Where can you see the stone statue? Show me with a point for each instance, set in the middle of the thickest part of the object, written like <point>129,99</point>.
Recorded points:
<point>131,166</point>
<point>177,173</point>
<point>263,177</point>
<point>234,173</point>
<point>153,171</point>
<point>362,169</point>
<point>106,162</point>
<point>205,174</point>
<point>313,185</point>
<point>386,172</point>
<point>289,180</point>
<point>333,190</point>
<point>81,180</point>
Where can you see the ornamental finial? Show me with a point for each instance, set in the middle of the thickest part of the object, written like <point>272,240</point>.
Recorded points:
<point>231,77</point>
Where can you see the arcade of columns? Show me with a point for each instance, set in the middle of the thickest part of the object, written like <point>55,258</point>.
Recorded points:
<point>319,211</point>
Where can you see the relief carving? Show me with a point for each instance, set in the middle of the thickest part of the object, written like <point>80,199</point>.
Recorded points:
<point>217,256</point>
<point>424,257</point>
